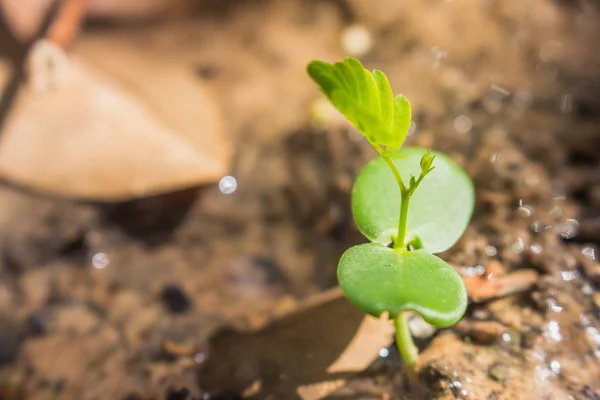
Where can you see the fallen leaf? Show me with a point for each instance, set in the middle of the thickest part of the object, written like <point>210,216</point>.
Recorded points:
<point>110,124</point>
<point>497,283</point>
<point>314,348</point>
<point>130,9</point>
<point>24,17</point>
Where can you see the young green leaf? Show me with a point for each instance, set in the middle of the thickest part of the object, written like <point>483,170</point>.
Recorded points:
<point>439,210</point>
<point>376,278</point>
<point>365,99</point>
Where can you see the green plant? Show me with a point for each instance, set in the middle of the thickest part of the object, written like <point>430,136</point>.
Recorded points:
<point>397,271</point>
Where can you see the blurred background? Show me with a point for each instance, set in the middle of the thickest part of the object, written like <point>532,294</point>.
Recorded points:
<point>170,177</point>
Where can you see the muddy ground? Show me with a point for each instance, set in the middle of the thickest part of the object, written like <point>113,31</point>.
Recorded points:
<point>147,299</point>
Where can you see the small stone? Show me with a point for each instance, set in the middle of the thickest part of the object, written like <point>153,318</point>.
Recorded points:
<point>37,324</point>
<point>177,394</point>
<point>175,299</point>
<point>483,332</point>
<point>498,372</point>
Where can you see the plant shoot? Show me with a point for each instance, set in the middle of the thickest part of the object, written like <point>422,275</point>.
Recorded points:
<point>409,202</point>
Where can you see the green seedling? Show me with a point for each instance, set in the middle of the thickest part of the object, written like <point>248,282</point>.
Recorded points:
<point>398,271</point>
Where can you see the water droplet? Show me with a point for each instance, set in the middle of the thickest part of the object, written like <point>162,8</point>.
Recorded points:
<point>462,124</point>
<point>438,56</point>
<point>491,251</point>
<point>555,367</point>
<point>199,358</point>
<point>524,210</point>
<point>518,246</point>
<point>456,388</point>
<point>477,270</point>
<point>532,180</point>
<point>559,196</point>
<point>537,227</point>
<point>568,228</point>
<point>593,333</point>
<point>100,260</point>
<point>383,353</point>
<point>227,184</point>
<point>587,289</point>
<point>589,252</point>
<point>553,305</point>
<point>496,158</point>
<point>357,40</point>
<point>554,331</point>
<point>536,248</point>
<point>569,275</point>
<point>566,103</point>
<point>412,128</point>
<point>499,91</point>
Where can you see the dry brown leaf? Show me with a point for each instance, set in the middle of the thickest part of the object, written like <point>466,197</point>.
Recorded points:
<point>24,17</point>
<point>130,9</point>
<point>372,335</point>
<point>125,124</point>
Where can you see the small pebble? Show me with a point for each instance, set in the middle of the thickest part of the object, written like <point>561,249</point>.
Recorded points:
<point>462,124</point>
<point>37,324</point>
<point>175,299</point>
<point>498,372</point>
<point>177,394</point>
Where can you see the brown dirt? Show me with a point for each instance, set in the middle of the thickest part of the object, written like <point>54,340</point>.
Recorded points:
<point>181,268</point>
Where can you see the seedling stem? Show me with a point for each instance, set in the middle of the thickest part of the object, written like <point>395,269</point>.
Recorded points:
<point>404,341</point>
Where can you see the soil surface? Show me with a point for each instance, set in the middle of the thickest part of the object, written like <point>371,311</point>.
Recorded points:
<point>173,296</point>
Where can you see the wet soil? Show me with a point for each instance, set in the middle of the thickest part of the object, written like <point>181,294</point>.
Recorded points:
<point>188,295</point>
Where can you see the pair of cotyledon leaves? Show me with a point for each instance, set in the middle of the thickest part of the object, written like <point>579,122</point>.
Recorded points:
<point>375,277</point>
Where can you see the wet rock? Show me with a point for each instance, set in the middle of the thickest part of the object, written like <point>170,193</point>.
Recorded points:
<point>175,299</point>
<point>37,324</point>
<point>483,332</point>
<point>177,394</point>
<point>498,372</point>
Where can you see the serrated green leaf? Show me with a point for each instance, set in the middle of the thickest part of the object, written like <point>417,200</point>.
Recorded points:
<point>402,115</point>
<point>365,99</point>
<point>439,210</point>
<point>386,104</point>
<point>376,278</point>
